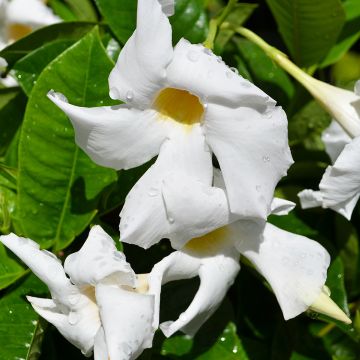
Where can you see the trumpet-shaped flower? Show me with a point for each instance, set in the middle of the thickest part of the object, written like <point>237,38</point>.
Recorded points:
<point>339,188</point>
<point>183,104</point>
<point>97,308</point>
<point>294,266</point>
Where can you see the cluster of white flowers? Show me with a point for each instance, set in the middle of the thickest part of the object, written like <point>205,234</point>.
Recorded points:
<point>185,105</point>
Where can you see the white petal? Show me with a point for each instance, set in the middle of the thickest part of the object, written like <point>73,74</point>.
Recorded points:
<point>197,70</point>
<point>127,321</point>
<point>183,153</point>
<point>100,347</point>
<point>98,260</point>
<point>294,266</point>
<point>217,274</point>
<point>340,185</point>
<point>335,139</point>
<point>33,13</point>
<point>140,71</point>
<point>168,6</point>
<point>281,206</point>
<point>43,264</point>
<point>115,136</point>
<point>79,326</point>
<point>253,153</point>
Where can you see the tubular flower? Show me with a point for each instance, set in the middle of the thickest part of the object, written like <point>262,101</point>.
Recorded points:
<point>339,188</point>
<point>294,266</point>
<point>182,104</point>
<point>98,308</point>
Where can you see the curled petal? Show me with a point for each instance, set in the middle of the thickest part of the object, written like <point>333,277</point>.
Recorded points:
<point>294,266</point>
<point>115,136</point>
<point>217,273</point>
<point>183,152</point>
<point>98,260</point>
<point>281,206</point>
<point>253,154</point>
<point>127,321</point>
<point>78,326</point>
<point>45,265</point>
<point>140,71</point>
<point>197,70</point>
<point>340,185</point>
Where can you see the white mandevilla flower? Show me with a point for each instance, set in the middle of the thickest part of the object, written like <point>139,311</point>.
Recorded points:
<point>294,266</point>
<point>183,103</point>
<point>19,18</point>
<point>103,307</point>
<point>339,189</point>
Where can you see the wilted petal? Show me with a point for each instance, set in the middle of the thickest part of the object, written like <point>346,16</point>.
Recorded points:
<point>340,185</point>
<point>140,71</point>
<point>335,138</point>
<point>217,273</point>
<point>98,260</point>
<point>183,153</point>
<point>127,321</point>
<point>253,153</point>
<point>115,136</point>
<point>294,266</point>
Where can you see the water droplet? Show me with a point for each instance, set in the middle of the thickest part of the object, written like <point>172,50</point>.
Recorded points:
<point>207,51</point>
<point>127,349</point>
<point>229,74</point>
<point>27,345</point>
<point>245,84</point>
<point>219,59</point>
<point>183,317</point>
<point>235,349</point>
<point>114,93</point>
<point>235,70</point>
<point>258,188</point>
<point>10,312</point>
<point>153,192</point>
<point>266,158</point>
<point>339,276</point>
<point>193,55</point>
<point>171,220</point>
<point>50,254</point>
<point>19,76</point>
<point>222,338</point>
<point>129,96</point>
<point>73,318</point>
<point>74,299</point>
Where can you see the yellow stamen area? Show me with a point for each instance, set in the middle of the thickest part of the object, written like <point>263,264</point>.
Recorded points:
<point>179,105</point>
<point>210,242</point>
<point>18,31</point>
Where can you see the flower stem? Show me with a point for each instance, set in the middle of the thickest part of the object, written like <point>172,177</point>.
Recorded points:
<point>216,23</point>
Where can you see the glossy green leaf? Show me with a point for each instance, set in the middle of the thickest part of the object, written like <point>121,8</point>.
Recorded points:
<point>20,328</point>
<point>309,28</point>
<point>190,19</point>
<point>12,106</point>
<point>62,10</point>
<point>350,33</point>
<point>61,31</point>
<point>265,73</point>
<point>83,9</point>
<point>59,186</point>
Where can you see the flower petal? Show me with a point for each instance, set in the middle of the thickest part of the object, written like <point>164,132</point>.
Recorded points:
<point>115,136</point>
<point>168,7</point>
<point>196,69</point>
<point>100,347</point>
<point>30,12</point>
<point>217,274</point>
<point>140,71</point>
<point>281,206</point>
<point>45,265</point>
<point>294,266</point>
<point>99,261</point>
<point>78,327</point>
<point>127,321</point>
<point>335,138</point>
<point>253,153</point>
<point>340,185</point>
<point>184,152</point>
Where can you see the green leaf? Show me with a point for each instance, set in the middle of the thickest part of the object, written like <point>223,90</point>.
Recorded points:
<point>309,28</point>
<point>62,10</point>
<point>12,106</point>
<point>350,33</point>
<point>59,186</point>
<point>83,9</point>
<point>20,329</point>
<point>63,31</point>
<point>190,19</point>
<point>264,72</point>
<point>28,69</point>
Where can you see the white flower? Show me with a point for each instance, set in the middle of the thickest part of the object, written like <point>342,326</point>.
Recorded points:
<point>183,103</point>
<point>294,266</point>
<point>339,188</point>
<point>97,308</point>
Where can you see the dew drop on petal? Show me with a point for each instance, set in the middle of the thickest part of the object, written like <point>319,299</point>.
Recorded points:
<point>235,70</point>
<point>153,192</point>
<point>129,95</point>
<point>229,74</point>
<point>207,51</point>
<point>73,318</point>
<point>266,159</point>
<point>114,93</point>
<point>74,299</point>
<point>193,55</point>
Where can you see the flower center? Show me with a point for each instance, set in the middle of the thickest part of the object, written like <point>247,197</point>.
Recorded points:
<point>179,105</point>
<point>18,31</point>
<point>209,243</point>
